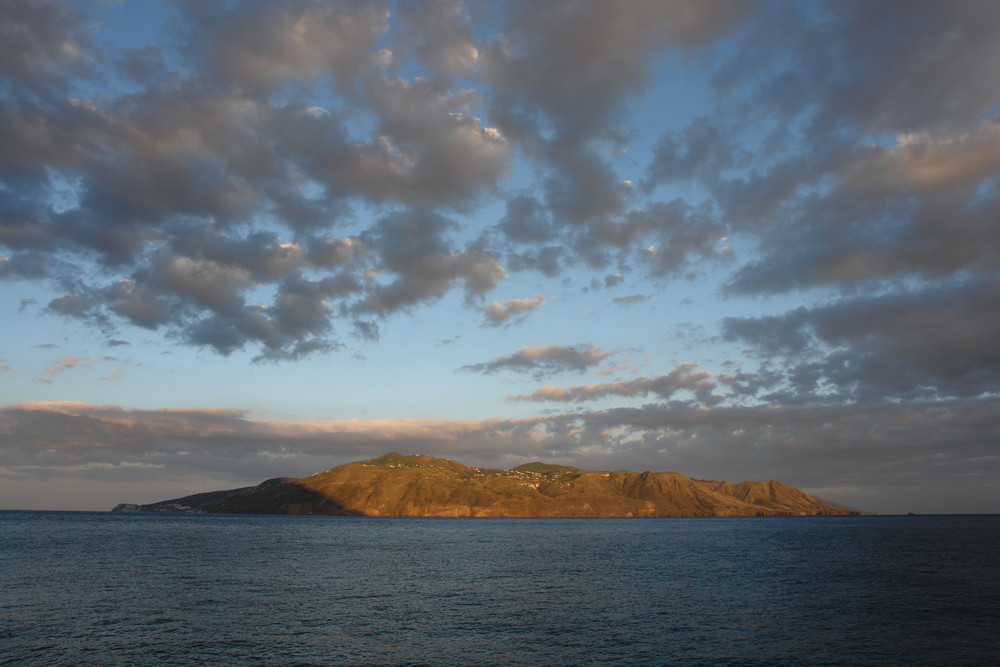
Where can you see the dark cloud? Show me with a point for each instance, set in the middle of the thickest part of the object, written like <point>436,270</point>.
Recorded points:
<point>41,43</point>
<point>569,66</point>
<point>439,34</point>
<point>900,175</point>
<point>543,360</point>
<point>849,238</point>
<point>866,175</point>
<point>421,263</point>
<point>931,342</point>
<point>527,221</point>
<point>702,150</point>
<point>262,45</point>
<point>366,330</point>
<point>892,67</point>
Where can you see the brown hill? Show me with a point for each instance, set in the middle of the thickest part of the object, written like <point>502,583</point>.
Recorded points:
<point>398,485</point>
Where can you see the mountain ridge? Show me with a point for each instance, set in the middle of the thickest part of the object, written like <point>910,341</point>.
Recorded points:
<point>419,485</point>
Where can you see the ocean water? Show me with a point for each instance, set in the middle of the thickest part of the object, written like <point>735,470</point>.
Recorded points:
<point>151,589</point>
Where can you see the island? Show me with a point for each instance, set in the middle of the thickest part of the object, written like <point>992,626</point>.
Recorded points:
<point>425,486</point>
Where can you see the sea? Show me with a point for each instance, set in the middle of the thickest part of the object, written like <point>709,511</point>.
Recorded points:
<point>101,588</point>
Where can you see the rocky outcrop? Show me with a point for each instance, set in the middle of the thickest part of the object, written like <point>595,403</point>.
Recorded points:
<point>416,485</point>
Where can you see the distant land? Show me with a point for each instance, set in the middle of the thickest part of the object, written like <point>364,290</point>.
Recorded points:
<point>417,485</point>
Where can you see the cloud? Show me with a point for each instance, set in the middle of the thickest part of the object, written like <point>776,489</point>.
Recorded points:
<point>614,368</point>
<point>499,313</point>
<point>560,75</point>
<point>440,35</point>
<point>276,174</point>
<point>917,457</point>
<point>431,150</point>
<point>889,67</point>
<point>264,45</point>
<point>416,252</point>
<point>63,364</point>
<point>702,150</point>
<point>41,43</point>
<point>935,341</point>
<point>630,299</point>
<point>684,377</point>
<point>526,220</point>
<point>78,439</point>
<point>918,217</point>
<point>927,161</point>
<point>575,64</point>
<point>542,360</point>
<point>897,182</point>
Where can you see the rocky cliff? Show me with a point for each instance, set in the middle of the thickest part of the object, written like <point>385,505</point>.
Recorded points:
<point>398,485</point>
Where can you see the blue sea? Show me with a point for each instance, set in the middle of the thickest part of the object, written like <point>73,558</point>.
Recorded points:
<point>80,588</point>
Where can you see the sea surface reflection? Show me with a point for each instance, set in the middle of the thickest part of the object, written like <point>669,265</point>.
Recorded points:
<point>143,589</point>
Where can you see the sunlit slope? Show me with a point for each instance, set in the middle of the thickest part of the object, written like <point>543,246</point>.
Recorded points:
<point>398,485</point>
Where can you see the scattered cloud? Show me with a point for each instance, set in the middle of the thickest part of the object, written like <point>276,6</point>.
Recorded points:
<point>64,364</point>
<point>194,187</point>
<point>500,313</point>
<point>616,368</point>
<point>684,377</point>
<point>544,360</point>
<point>926,343</point>
<point>117,374</point>
<point>630,300</point>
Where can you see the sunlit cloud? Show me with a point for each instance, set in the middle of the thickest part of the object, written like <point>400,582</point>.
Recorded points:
<point>500,313</point>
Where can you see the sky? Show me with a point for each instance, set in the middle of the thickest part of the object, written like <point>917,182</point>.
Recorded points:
<point>737,240</point>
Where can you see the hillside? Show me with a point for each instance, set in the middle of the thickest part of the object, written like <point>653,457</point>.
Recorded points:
<point>417,485</point>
